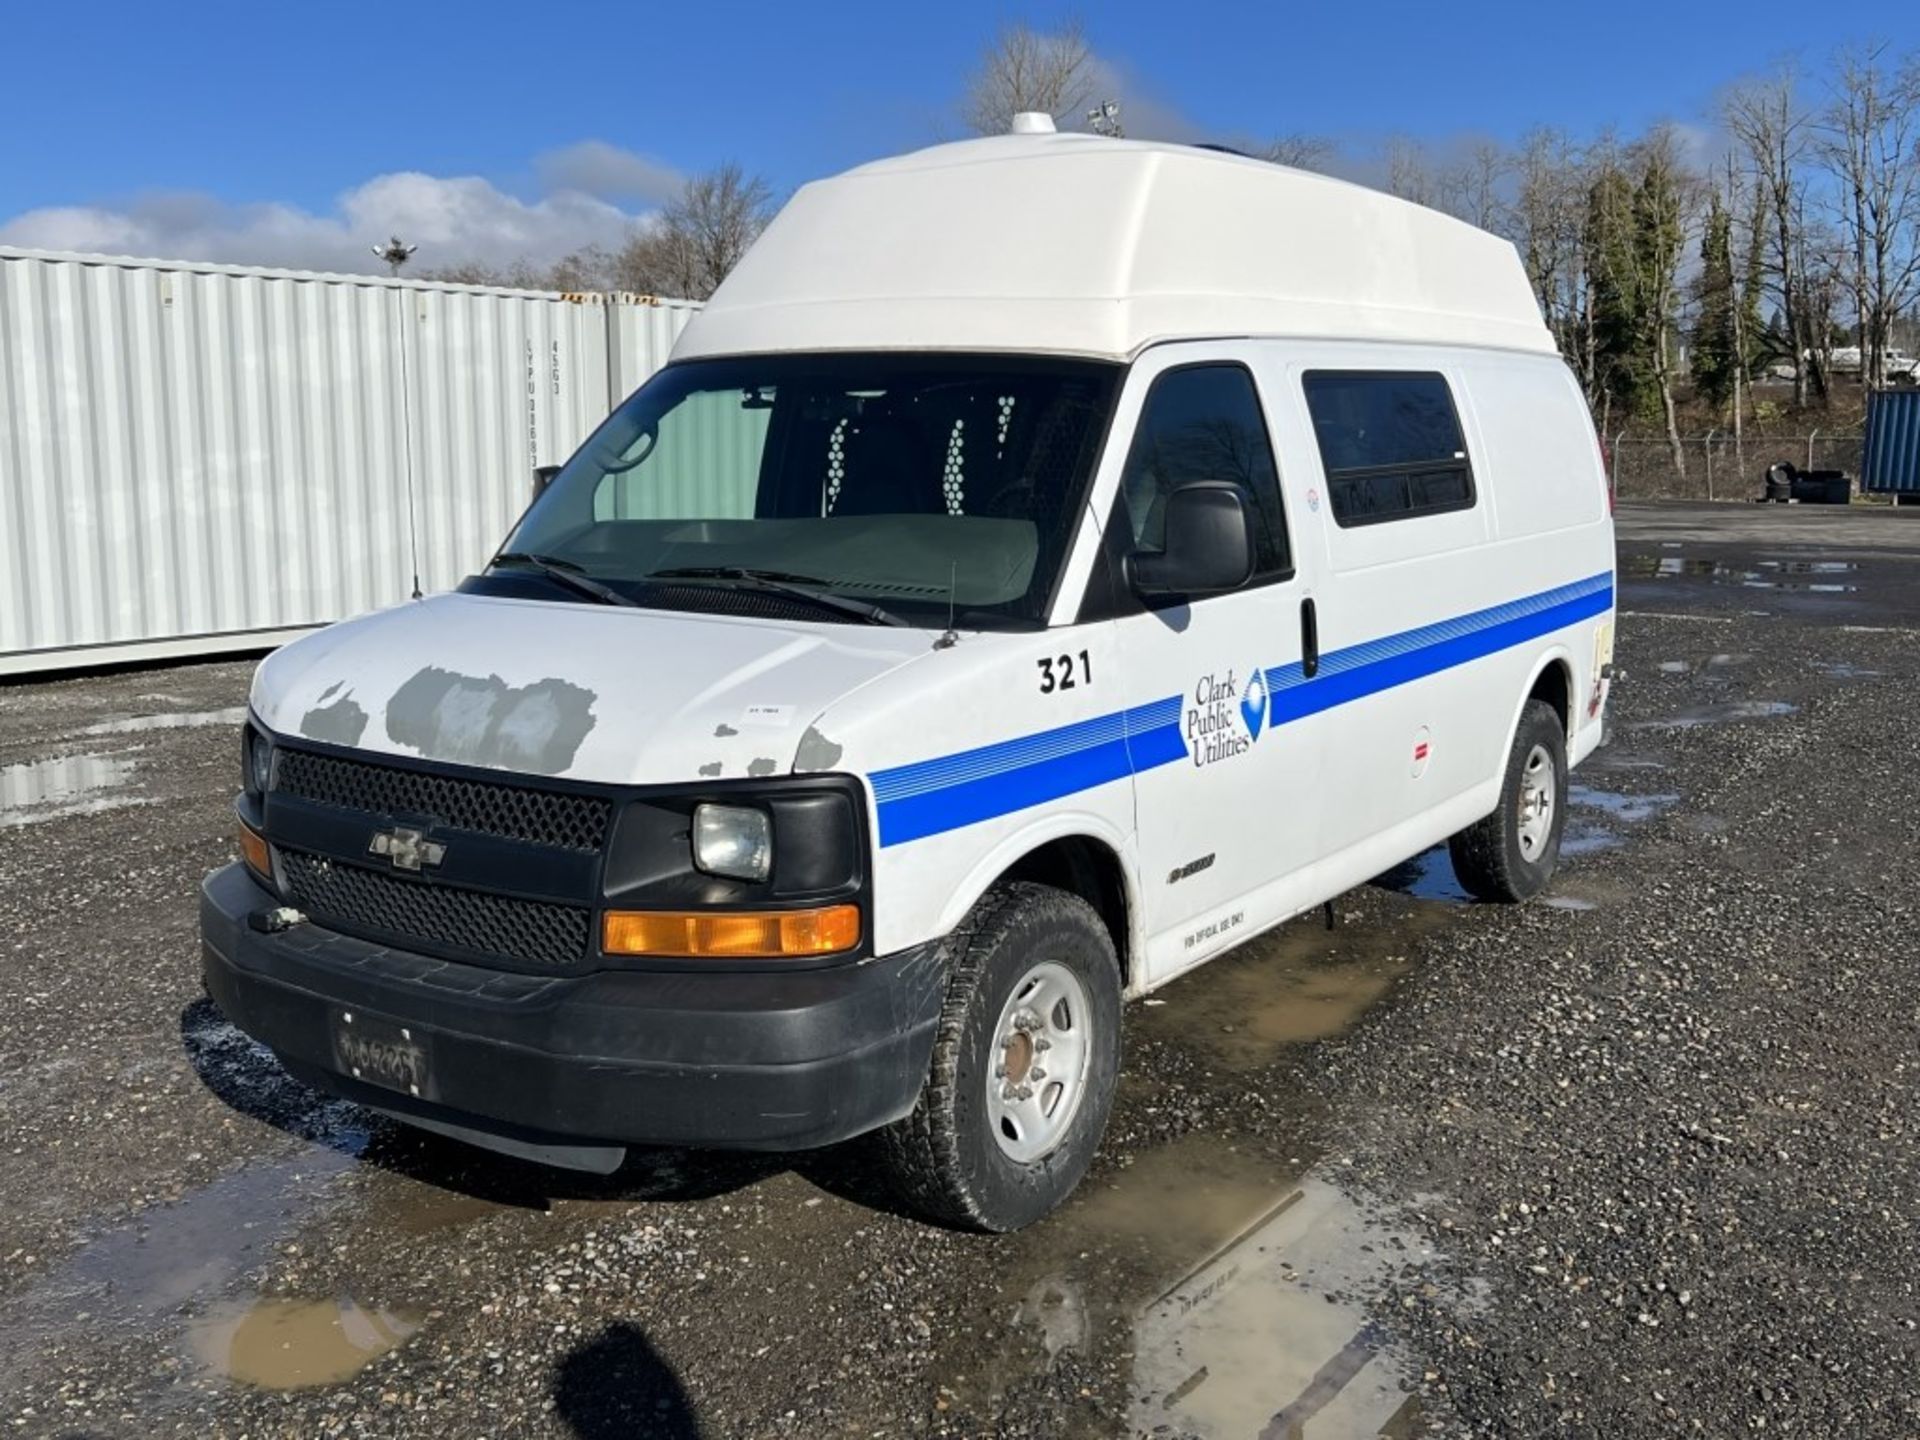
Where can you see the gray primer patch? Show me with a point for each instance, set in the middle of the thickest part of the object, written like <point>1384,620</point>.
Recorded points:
<point>762,767</point>
<point>464,719</point>
<point>711,769</point>
<point>341,723</point>
<point>817,752</point>
<point>721,732</point>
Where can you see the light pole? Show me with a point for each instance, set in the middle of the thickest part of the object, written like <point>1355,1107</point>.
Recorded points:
<point>395,253</point>
<point>1104,119</point>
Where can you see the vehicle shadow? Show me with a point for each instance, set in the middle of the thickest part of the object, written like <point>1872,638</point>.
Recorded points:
<point>246,1078</point>
<point>615,1385</point>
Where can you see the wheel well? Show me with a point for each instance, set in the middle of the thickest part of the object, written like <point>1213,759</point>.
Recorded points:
<point>1089,869</point>
<point>1555,686</point>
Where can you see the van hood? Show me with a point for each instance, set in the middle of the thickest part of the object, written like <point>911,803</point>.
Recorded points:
<point>590,692</point>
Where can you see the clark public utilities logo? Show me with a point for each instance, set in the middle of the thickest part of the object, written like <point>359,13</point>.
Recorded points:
<point>1224,716</point>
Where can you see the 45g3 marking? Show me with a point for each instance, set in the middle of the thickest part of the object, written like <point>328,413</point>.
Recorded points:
<point>1065,672</point>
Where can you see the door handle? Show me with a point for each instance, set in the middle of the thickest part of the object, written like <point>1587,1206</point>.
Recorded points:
<point>1309,639</point>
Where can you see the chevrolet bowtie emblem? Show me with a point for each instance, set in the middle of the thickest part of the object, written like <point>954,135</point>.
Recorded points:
<point>408,849</point>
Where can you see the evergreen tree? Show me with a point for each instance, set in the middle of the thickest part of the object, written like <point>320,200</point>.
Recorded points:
<point>1611,288</point>
<point>1715,359</point>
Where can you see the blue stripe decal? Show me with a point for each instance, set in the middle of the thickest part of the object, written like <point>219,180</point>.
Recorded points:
<point>949,791</point>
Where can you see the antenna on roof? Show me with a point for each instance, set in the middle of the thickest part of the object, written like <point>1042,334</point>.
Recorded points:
<point>1104,119</point>
<point>1032,122</point>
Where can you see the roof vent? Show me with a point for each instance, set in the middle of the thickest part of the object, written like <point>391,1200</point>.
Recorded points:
<point>1032,122</point>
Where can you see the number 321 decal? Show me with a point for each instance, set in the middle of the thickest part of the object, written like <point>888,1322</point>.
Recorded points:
<point>1064,672</point>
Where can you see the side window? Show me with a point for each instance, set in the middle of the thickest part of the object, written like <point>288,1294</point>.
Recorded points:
<point>1204,423</point>
<point>1391,444</point>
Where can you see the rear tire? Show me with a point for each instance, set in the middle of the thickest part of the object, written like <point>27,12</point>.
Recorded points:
<point>1511,854</point>
<point>1024,1064</point>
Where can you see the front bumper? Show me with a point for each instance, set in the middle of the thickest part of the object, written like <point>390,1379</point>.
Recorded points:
<point>749,1060</point>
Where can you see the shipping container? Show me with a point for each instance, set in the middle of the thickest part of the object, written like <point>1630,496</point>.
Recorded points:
<point>1892,462</point>
<point>200,458</point>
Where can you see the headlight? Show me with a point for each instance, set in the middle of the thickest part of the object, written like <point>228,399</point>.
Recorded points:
<point>733,840</point>
<point>259,756</point>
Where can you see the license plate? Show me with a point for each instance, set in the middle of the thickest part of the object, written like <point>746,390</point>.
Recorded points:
<point>383,1052</point>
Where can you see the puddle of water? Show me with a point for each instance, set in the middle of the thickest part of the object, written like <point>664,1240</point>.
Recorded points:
<point>1675,667</point>
<point>1239,1288</point>
<point>173,720</point>
<point>192,1256</point>
<point>1615,759</point>
<point>1272,1335</point>
<point>1584,839</point>
<point>1628,809</point>
<point>1584,835</point>
<point>134,1276</point>
<point>281,1344</point>
<point>1758,575</point>
<point>1297,984</point>
<point>1844,670</point>
<point>37,790</point>
<point>1427,876</point>
<point>1722,714</point>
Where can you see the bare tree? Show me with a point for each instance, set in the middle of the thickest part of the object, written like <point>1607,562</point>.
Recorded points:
<point>1472,188</point>
<point>1023,69</point>
<point>1766,117</point>
<point>1302,152</point>
<point>1409,171</point>
<point>521,275</point>
<point>1547,224</point>
<point>697,238</point>
<point>1868,141</point>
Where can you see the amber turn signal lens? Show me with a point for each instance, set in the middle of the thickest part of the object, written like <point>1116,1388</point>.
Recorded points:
<point>720,935</point>
<point>253,850</point>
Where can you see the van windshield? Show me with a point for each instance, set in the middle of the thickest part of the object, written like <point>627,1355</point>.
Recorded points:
<point>903,482</point>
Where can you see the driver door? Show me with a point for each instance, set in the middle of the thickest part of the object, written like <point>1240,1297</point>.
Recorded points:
<point>1226,802</point>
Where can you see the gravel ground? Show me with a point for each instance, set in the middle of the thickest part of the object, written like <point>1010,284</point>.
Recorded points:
<point>1638,1161</point>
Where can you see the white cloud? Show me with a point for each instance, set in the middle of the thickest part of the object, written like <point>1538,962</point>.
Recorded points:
<point>453,219</point>
<point>594,167</point>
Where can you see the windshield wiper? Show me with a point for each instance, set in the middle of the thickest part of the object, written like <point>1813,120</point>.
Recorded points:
<point>780,582</point>
<point>565,574</point>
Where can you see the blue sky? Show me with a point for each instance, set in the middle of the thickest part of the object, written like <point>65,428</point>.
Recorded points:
<point>271,126</point>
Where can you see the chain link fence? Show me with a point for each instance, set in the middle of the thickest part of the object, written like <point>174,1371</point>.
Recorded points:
<point>1715,466</point>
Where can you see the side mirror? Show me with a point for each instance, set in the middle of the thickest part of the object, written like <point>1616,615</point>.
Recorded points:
<point>1208,545</point>
<point>543,477</point>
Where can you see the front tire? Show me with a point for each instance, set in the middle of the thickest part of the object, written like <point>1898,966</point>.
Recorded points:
<point>1511,854</point>
<point>1024,1064</point>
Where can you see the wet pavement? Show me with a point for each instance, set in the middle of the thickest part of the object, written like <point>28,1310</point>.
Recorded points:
<point>1635,1159</point>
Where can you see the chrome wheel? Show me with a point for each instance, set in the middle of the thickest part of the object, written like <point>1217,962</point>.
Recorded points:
<point>1041,1047</point>
<point>1539,794</point>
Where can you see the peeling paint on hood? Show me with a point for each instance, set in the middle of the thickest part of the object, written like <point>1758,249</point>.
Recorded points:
<point>478,720</point>
<point>589,692</point>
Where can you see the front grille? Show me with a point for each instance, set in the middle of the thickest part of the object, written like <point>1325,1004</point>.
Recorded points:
<point>531,932</point>
<point>514,812</point>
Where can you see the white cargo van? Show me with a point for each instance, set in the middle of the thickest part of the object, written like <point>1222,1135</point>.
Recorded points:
<point>1048,562</point>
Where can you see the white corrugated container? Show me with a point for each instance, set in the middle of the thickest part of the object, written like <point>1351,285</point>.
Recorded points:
<point>197,458</point>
